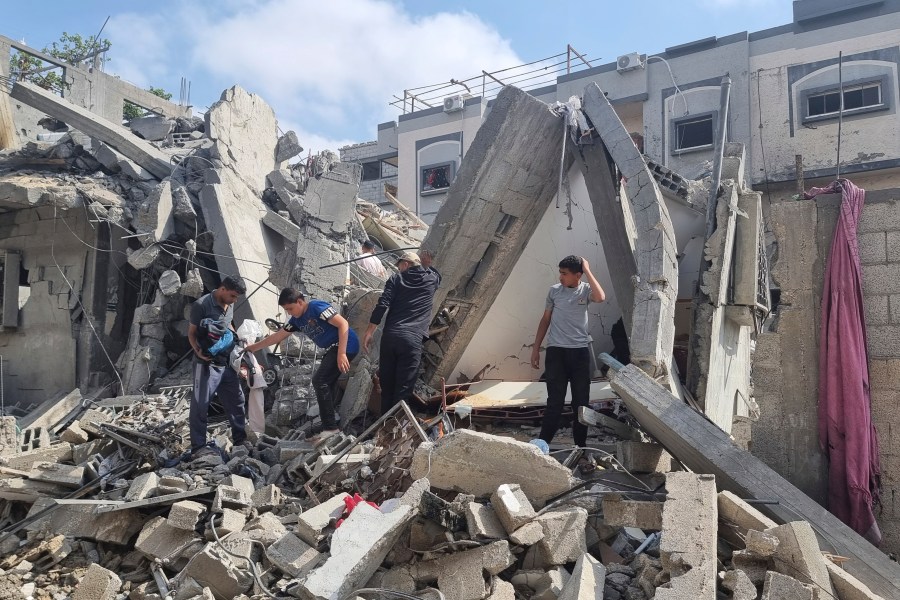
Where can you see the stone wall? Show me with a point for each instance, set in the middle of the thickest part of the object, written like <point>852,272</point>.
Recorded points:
<point>785,367</point>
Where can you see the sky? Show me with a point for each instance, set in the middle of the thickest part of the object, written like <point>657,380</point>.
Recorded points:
<point>331,68</point>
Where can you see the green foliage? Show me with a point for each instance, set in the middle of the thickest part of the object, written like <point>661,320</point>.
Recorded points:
<point>71,49</point>
<point>133,111</point>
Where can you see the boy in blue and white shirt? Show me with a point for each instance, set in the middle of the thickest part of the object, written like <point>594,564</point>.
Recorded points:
<point>320,322</point>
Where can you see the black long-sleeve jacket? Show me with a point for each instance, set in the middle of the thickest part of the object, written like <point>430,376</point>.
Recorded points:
<point>410,297</point>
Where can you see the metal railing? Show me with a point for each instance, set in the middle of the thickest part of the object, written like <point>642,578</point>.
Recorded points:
<point>527,76</point>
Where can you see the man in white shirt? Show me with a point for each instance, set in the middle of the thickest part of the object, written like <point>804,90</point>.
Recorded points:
<point>371,263</point>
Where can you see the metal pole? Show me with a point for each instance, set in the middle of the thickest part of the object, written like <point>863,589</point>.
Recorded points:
<point>798,167</point>
<point>568,58</point>
<point>840,111</point>
<point>718,156</point>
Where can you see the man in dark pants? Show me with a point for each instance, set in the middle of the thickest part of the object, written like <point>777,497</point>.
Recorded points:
<point>319,321</point>
<point>409,295</point>
<point>568,358</point>
<point>210,326</point>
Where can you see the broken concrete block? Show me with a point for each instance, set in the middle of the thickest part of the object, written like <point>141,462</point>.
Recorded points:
<point>182,207</point>
<point>92,419</point>
<point>97,584</point>
<point>688,543</point>
<point>312,523</point>
<point>753,567</point>
<point>185,515</point>
<point>169,283</point>
<point>228,521</point>
<point>142,487</point>
<point>527,535</point>
<point>25,461</point>
<point>358,548</point>
<point>66,475</point>
<point>741,517</point>
<point>267,497</point>
<point>193,284</point>
<point>288,147</point>
<point>293,556</point>
<point>760,543</point>
<point>483,522</point>
<point>643,457</point>
<point>460,576</point>
<point>80,521</point>
<point>143,257</point>
<point>153,219</point>
<point>512,506</point>
<point>73,434</point>
<point>152,129</point>
<point>550,584</point>
<point>108,157</point>
<point>564,538</point>
<point>740,585</point>
<point>266,528</point>
<point>847,586</point>
<point>477,463</point>
<point>216,570</point>
<point>242,483</point>
<point>135,171</point>
<point>8,436</point>
<point>281,225</point>
<point>799,556</point>
<point>621,512</point>
<point>159,540</point>
<point>587,580</point>
<point>501,590</point>
<point>171,485</point>
<point>783,587</point>
<point>230,497</point>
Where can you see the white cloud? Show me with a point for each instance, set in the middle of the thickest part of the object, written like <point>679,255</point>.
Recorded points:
<point>329,68</point>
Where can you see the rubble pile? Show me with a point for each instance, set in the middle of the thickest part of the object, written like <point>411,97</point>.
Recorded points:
<point>109,506</point>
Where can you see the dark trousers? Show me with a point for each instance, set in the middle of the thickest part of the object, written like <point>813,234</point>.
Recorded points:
<point>323,381</point>
<point>564,366</point>
<point>210,380</point>
<point>398,367</point>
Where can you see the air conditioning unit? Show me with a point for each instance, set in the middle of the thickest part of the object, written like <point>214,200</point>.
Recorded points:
<point>629,62</point>
<point>454,103</point>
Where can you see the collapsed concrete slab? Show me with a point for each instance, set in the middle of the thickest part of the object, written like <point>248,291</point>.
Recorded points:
<point>688,544</point>
<point>358,548</point>
<point>460,576</point>
<point>587,580</point>
<point>652,332</point>
<point>503,188</point>
<point>79,521</point>
<point>478,463</point>
<point>797,554</point>
<point>134,148</point>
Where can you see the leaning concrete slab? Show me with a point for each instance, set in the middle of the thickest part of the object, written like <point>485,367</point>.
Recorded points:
<point>688,543</point>
<point>797,554</point>
<point>847,586</point>
<point>704,448</point>
<point>478,463</point>
<point>504,186</point>
<point>656,289</point>
<point>587,580</point>
<point>138,150</point>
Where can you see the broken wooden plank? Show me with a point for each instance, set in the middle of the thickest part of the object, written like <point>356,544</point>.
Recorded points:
<point>95,126</point>
<point>168,498</point>
<point>705,448</point>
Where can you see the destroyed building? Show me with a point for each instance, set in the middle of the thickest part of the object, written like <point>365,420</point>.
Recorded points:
<point>678,175</point>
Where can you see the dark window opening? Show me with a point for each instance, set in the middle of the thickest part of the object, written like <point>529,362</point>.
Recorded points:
<point>371,171</point>
<point>436,178</point>
<point>694,133</point>
<point>855,97</point>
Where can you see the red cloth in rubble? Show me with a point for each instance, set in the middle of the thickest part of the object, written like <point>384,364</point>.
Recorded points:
<point>846,433</point>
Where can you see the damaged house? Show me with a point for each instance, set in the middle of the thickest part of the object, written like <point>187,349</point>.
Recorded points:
<point>679,175</point>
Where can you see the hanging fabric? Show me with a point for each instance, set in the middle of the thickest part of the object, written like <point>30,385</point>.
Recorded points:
<point>847,435</point>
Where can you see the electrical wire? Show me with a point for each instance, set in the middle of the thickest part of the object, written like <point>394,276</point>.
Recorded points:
<point>762,147</point>
<point>672,77</point>
<point>250,562</point>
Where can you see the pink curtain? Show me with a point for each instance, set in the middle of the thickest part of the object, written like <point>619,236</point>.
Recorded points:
<point>846,433</point>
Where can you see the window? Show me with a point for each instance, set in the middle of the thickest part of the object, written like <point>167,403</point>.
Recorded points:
<point>693,133</point>
<point>371,171</point>
<point>824,103</point>
<point>855,97</point>
<point>436,178</point>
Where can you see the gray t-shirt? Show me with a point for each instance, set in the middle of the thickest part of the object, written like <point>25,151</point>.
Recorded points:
<point>207,307</point>
<point>569,321</point>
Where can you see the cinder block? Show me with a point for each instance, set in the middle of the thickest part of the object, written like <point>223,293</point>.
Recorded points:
<point>228,521</point>
<point>267,497</point>
<point>873,248</point>
<point>266,528</point>
<point>881,279</point>
<point>564,535</point>
<point>621,512</point>
<point>185,514</point>
<point>92,419</point>
<point>483,522</point>
<point>877,310</point>
<point>879,216</point>
<point>642,457</point>
<point>313,522</point>
<point>142,487</point>
<point>783,587</point>
<point>97,584</point>
<point>512,506</point>
<point>893,246</point>
<point>242,483</point>
<point>230,497</point>
<point>74,434</point>
<point>893,308</point>
<point>884,341</point>
<point>798,551</point>
<point>528,534</point>
<point>293,556</point>
<point>761,544</point>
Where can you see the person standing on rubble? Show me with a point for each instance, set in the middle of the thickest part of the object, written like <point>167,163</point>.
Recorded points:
<point>211,335</point>
<point>320,322</point>
<point>409,295</point>
<point>371,263</point>
<point>568,356</point>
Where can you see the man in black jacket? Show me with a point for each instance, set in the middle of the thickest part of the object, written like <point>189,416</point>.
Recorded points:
<point>409,295</point>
